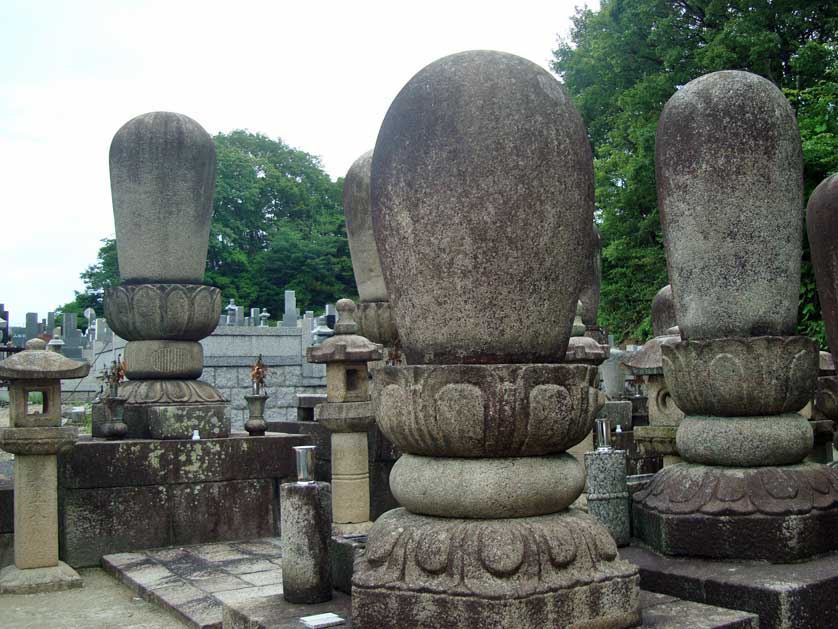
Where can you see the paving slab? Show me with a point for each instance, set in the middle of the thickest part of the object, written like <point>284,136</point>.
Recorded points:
<point>194,582</point>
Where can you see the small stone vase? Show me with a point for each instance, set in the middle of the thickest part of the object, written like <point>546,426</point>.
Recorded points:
<point>255,425</point>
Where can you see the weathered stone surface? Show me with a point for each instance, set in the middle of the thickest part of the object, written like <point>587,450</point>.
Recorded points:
<point>554,570</point>
<point>100,464</point>
<point>648,360</point>
<point>826,397</point>
<point>157,311</point>
<point>306,514</point>
<point>350,482</point>
<point>591,280</point>
<point>656,440</point>
<point>668,612</point>
<point>38,363</point>
<point>36,512</point>
<point>663,312</point>
<point>486,410</point>
<point>801,596</point>
<point>38,441</point>
<point>375,322</point>
<point>745,441</point>
<point>730,206</point>
<point>607,492</point>
<point>346,416</point>
<point>736,377</point>
<point>162,181</point>
<point>7,495</point>
<point>274,612</point>
<point>663,411</point>
<point>163,359</point>
<point>345,551</point>
<point>14,580</point>
<point>356,208</point>
<point>179,421</point>
<point>776,514</point>
<point>822,226</point>
<point>618,413</point>
<point>481,191</point>
<point>486,488</point>
<point>584,349</point>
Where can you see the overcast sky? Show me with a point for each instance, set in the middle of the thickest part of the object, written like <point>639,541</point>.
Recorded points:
<point>318,75</point>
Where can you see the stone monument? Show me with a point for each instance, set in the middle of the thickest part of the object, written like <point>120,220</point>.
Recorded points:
<point>730,193</point>
<point>163,180</point>
<point>658,438</point>
<point>374,315</point>
<point>482,200</point>
<point>35,437</point>
<point>347,413</point>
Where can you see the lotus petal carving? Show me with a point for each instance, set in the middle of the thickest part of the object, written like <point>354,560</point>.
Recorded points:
<point>148,312</point>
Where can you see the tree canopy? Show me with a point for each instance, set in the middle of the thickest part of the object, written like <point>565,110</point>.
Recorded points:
<point>277,224</point>
<point>623,62</point>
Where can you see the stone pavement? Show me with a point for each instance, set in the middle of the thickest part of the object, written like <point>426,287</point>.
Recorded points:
<point>194,582</point>
<point>197,583</point>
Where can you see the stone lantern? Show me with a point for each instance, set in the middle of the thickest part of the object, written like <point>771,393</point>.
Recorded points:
<point>347,413</point>
<point>35,437</point>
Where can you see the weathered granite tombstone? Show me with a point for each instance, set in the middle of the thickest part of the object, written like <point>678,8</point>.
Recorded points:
<point>35,437</point>
<point>290,314</point>
<point>658,438</point>
<point>72,336</point>
<point>31,325</point>
<point>730,193</point>
<point>163,179</point>
<point>374,314</point>
<point>482,199</point>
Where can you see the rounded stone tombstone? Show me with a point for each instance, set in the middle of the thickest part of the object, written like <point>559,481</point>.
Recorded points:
<point>730,206</point>
<point>663,312</point>
<point>162,183</point>
<point>589,294</point>
<point>482,203</point>
<point>362,247</point>
<point>822,226</point>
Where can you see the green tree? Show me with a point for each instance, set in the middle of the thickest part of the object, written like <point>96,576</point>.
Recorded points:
<point>623,62</point>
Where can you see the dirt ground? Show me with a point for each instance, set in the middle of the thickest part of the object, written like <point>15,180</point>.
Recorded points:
<point>103,603</point>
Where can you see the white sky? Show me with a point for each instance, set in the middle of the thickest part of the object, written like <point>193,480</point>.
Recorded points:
<point>319,75</point>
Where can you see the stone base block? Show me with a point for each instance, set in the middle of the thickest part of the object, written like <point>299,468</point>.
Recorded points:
<point>546,571</point>
<point>798,596</point>
<point>776,514</point>
<point>118,496</point>
<point>345,551</point>
<point>165,407</point>
<point>35,580</point>
<point>180,421</point>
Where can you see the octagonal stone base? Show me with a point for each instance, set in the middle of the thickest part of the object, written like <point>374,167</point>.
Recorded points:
<point>34,580</point>
<point>776,514</point>
<point>554,570</point>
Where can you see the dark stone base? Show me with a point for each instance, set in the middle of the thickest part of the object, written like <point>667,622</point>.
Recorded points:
<point>344,551</point>
<point>798,596</point>
<point>119,496</point>
<point>777,514</point>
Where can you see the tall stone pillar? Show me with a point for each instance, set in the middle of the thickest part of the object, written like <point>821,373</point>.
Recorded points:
<point>482,202</point>
<point>730,192</point>
<point>163,180</point>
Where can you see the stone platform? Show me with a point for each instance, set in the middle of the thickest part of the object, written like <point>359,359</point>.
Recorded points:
<point>238,585</point>
<point>785,596</point>
<point>117,496</point>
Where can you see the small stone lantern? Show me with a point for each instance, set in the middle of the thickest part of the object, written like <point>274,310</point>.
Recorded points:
<point>35,437</point>
<point>348,414</point>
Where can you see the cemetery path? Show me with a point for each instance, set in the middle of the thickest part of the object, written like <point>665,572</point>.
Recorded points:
<point>103,603</point>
